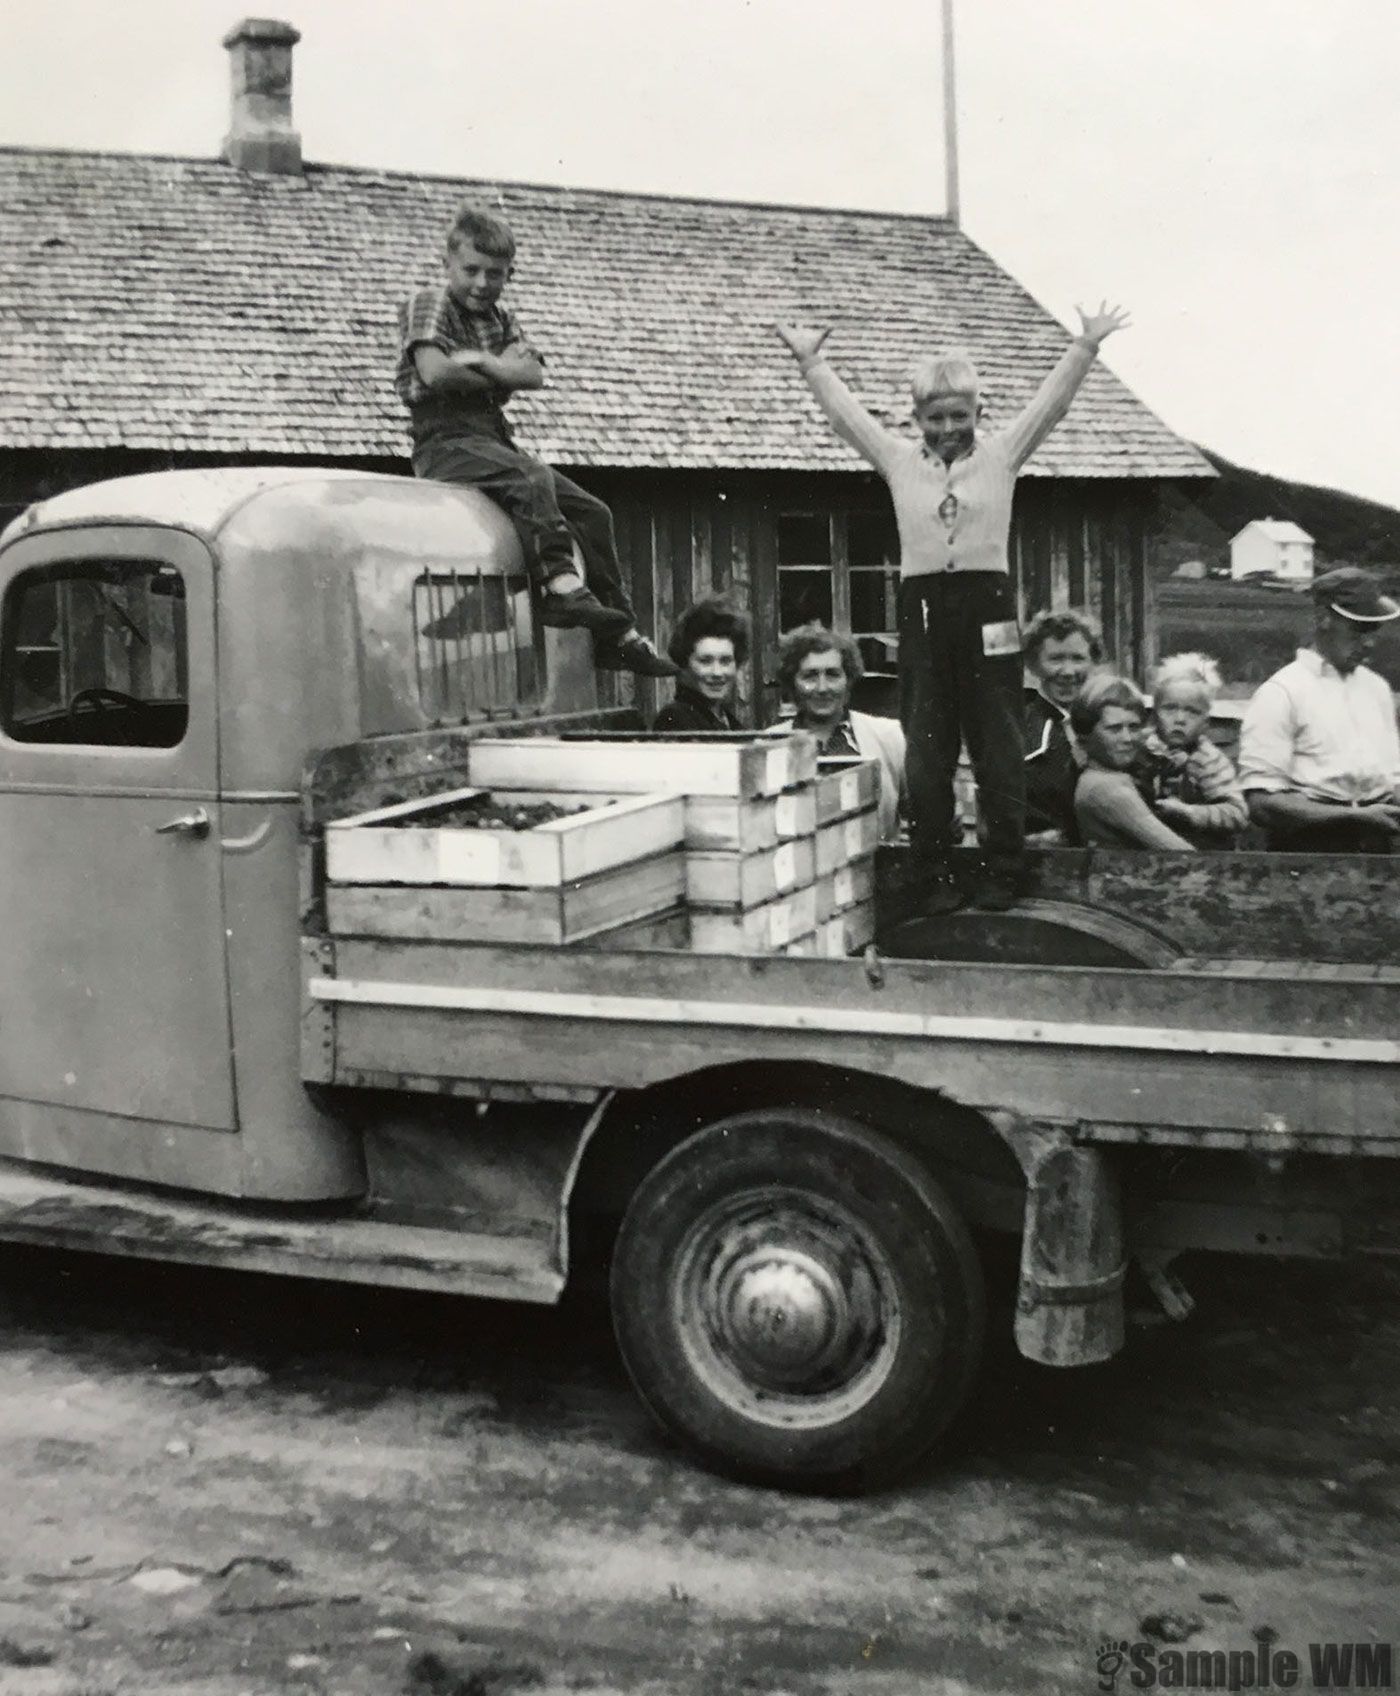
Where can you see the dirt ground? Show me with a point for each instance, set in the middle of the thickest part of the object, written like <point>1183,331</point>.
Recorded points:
<point>221,1485</point>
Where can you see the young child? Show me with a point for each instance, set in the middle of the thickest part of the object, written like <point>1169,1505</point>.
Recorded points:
<point>462,355</point>
<point>1189,783</point>
<point>959,646</point>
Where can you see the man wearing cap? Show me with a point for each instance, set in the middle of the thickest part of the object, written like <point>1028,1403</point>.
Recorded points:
<point>959,643</point>
<point>1319,750</point>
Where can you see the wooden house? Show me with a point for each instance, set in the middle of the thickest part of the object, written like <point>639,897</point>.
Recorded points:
<point>164,312</point>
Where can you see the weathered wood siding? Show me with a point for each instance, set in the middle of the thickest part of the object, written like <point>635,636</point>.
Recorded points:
<point>684,535</point>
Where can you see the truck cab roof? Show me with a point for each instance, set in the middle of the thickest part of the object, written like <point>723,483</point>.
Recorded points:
<point>342,604</point>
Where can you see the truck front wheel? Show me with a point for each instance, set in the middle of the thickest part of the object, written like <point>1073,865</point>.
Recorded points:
<point>796,1299</point>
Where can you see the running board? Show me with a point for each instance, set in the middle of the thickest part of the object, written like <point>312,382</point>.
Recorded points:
<point>46,1209</point>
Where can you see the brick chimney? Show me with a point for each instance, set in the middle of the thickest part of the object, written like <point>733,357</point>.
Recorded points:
<point>260,136</point>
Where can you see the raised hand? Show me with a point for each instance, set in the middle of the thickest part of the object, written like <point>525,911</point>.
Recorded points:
<point>804,343</point>
<point>1097,327</point>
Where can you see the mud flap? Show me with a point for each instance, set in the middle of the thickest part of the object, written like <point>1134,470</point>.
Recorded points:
<point>1069,1303</point>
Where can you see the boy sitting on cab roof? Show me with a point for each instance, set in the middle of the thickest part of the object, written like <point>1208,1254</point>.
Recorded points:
<point>462,355</point>
<point>959,645</point>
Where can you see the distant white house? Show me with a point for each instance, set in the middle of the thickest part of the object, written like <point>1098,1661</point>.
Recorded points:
<point>1272,547</point>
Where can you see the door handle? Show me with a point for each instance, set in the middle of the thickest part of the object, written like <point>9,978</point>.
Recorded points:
<point>187,824</point>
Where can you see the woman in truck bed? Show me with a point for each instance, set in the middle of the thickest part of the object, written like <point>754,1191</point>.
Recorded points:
<point>709,644</point>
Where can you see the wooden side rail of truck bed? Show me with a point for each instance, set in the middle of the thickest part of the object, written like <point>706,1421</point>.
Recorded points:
<point>1219,1071</point>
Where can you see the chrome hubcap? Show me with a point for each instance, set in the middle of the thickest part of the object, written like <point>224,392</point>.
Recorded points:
<point>787,1307</point>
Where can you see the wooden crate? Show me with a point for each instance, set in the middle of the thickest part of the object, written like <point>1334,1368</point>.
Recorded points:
<point>724,823</point>
<point>379,848</point>
<point>743,768</point>
<point>748,880</point>
<point>669,930</point>
<point>847,933</point>
<point>844,787</point>
<point>559,913</point>
<point>846,887</point>
<point>848,839</point>
<point>761,930</point>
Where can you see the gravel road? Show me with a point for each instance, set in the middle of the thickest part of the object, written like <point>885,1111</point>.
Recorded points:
<point>218,1485</point>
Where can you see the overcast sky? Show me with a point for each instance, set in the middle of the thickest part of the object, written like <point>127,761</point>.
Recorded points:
<point>1228,168</point>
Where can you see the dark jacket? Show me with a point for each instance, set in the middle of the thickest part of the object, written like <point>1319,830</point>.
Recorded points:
<point>691,711</point>
<point>1052,769</point>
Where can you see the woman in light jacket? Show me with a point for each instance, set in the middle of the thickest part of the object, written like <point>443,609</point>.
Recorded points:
<point>817,669</point>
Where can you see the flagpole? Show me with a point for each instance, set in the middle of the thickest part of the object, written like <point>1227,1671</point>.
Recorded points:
<point>953,206</point>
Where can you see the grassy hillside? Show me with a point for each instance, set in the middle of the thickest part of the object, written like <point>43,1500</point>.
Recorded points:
<point>1197,520</point>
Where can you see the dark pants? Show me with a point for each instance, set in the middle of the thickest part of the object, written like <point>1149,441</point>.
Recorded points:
<point>952,691</point>
<point>546,508</point>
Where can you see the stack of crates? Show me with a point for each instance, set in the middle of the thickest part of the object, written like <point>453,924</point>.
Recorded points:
<point>847,798</point>
<point>778,846</point>
<point>786,873</point>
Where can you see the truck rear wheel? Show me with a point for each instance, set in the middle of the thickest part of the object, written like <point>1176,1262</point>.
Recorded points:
<point>797,1300</point>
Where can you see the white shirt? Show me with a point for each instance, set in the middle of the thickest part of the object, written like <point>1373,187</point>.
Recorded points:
<point>1310,729</point>
<point>953,517</point>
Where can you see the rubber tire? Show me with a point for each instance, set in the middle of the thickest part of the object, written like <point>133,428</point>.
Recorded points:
<point>936,1272</point>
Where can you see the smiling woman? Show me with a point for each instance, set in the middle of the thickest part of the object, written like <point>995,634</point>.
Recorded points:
<point>709,644</point>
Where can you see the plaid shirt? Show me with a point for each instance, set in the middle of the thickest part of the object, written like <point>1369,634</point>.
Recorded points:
<point>432,318</point>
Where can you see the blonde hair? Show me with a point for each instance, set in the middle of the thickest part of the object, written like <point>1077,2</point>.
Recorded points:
<point>945,374</point>
<point>1198,671</point>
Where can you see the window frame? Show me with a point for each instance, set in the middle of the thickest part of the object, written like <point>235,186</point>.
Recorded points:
<point>838,520</point>
<point>72,651</point>
<point>189,768</point>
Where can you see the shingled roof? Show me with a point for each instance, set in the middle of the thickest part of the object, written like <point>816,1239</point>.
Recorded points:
<point>186,305</point>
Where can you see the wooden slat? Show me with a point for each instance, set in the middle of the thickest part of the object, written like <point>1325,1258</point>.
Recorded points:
<point>849,839</point>
<point>1084,995</point>
<point>848,886</point>
<point>760,930</point>
<point>745,767</point>
<point>624,829</point>
<point>547,915</point>
<point>1174,1087</point>
<point>844,787</point>
<point>748,880</point>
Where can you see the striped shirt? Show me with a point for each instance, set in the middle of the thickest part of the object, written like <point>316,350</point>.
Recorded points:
<point>432,318</point>
<point>970,531</point>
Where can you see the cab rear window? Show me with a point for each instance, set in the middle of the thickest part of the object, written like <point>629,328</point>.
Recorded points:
<point>444,645</point>
<point>95,653</point>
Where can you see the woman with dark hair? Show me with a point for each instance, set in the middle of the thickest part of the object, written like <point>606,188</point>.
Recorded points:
<point>1060,650</point>
<point>1108,716</point>
<point>709,644</point>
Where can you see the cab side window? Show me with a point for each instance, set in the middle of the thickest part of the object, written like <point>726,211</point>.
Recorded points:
<point>95,653</point>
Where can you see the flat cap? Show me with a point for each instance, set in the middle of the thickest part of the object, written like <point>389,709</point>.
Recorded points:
<point>1354,594</point>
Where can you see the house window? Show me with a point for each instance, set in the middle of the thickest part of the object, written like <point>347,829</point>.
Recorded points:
<point>842,569</point>
<point>96,654</point>
<point>806,569</point>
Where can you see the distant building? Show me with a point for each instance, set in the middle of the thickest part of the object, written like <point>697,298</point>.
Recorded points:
<point>1191,570</point>
<point>1272,547</point>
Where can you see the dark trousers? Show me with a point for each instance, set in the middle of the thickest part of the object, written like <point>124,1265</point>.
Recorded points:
<point>547,509</point>
<point>952,691</point>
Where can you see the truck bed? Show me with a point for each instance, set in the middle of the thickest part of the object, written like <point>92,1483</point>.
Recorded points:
<point>1233,1053</point>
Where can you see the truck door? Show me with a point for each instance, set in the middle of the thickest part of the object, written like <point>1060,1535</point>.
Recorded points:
<point>114,1005</point>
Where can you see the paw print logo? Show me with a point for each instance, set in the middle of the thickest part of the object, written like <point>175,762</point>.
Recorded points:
<point>1112,1653</point>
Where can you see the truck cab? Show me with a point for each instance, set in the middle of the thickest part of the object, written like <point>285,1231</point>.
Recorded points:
<point>172,647</point>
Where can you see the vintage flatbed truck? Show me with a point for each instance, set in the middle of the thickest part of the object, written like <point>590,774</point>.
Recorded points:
<point>796,1162</point>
